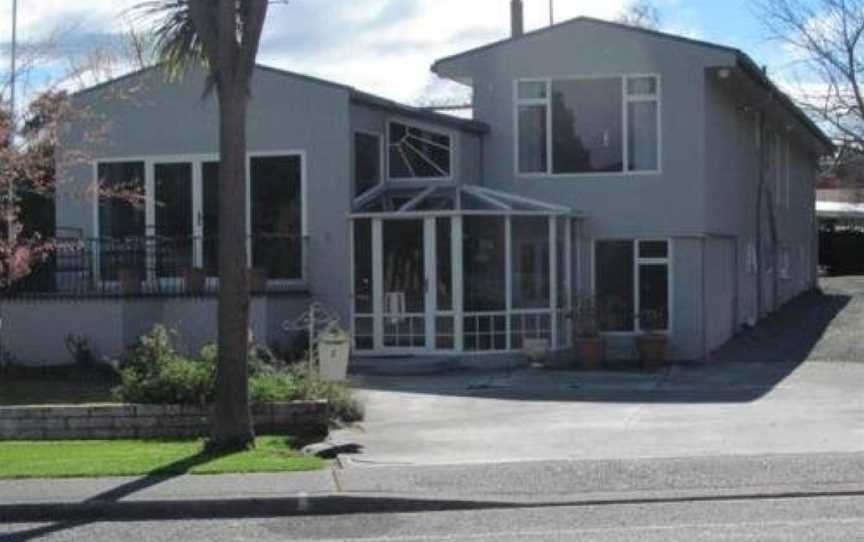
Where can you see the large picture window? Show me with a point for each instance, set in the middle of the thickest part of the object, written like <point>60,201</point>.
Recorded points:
<point>172,223</point>
<point>122,218</point>
<point>418,153</point>
<point>632,278</point>
<point>583,126</point>
<point>276,212</point>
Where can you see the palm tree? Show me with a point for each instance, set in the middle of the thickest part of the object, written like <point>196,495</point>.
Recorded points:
<point>223,36</point>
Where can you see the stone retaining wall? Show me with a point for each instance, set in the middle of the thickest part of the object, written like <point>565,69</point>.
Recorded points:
<point>306,418</point>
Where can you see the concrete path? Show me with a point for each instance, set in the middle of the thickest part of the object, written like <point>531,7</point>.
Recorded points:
<point>743,408</point>
<point>795,384</point>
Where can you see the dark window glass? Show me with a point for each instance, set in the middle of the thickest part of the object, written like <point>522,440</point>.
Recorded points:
<point>532,90</point>
<point>277,216</point>
<point>404,267</point>
<point>121,219</point>
<point>483,256</point>
<point>418,153</point>
<point>642,86</point>
<point>367,162</point>
<point>210,216</point>
<point>120,184</point>
<point>533,151</point>
<point>653,249</point>
<point>587,126</point>
<point>614,279</point>
<point>530,262</point>
<point>363,266</point>
<point>444,262</point>
<point>654,291</point>
<point>173,202</point>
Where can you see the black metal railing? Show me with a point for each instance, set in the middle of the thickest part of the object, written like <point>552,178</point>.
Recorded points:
<point>156,266</point>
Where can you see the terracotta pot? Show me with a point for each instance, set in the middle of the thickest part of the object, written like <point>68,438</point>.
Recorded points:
<point>591,351</point>
<point>652,350</point>
<point>130,282</point>
<point>257,280</point>
<point>195,280</point>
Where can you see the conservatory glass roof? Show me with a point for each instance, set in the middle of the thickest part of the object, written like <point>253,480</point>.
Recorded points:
<point>450,199</point>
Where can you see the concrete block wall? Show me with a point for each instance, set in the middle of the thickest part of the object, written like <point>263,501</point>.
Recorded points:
<point>85,422</point>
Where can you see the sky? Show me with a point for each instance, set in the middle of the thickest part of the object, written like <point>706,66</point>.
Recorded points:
<point>381,46</point>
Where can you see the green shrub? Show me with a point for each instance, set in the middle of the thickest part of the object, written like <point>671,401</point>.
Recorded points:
<point>153,372</point>
<point>272,388</point>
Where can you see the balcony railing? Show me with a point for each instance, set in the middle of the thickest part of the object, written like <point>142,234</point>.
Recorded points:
<point>158,266</point>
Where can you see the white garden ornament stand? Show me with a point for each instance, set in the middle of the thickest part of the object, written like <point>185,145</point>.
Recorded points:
<point>319,323</point>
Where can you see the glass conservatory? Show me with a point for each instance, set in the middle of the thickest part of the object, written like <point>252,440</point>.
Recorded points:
<point>460,269</point>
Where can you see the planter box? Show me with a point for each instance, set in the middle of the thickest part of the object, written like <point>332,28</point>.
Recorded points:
<point>591,352</point>
<point>195,280</point>
<point>130,282</point>
<point>258,280</point>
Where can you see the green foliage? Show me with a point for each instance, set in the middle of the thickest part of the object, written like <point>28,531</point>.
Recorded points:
<point>154,372</point>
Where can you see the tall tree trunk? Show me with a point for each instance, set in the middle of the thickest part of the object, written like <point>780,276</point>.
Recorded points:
<point>231,422</point>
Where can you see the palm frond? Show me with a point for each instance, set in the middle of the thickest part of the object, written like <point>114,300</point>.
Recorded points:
<point>177,43</point>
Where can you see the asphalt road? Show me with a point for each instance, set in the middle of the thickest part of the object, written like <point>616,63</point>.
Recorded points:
<point>810,519</point>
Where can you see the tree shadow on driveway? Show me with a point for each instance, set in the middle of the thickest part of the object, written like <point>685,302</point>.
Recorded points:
<point>745,369</point>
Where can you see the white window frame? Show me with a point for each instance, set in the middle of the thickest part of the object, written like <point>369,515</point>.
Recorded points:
<point>382,172</point>
<point>197,162</point>
<point>421,126</point>
<point>625,101</point>
<point>637,261</point>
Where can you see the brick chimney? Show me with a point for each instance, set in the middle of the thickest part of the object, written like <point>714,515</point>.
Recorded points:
<point>517,18</point>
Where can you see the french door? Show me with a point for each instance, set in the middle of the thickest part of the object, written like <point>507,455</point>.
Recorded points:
<point>184,213</point>
<point>412,284</point>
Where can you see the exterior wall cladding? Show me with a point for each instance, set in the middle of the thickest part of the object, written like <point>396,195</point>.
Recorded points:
<point>702,199</point>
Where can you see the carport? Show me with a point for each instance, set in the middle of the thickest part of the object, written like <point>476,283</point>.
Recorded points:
<point>841,236</point>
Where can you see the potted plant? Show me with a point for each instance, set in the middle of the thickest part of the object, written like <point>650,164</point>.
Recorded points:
<point>589,344</point>
<point>257,280</point>
<point>195,280</point>
<point>130,282</point>
<point>652,344</point>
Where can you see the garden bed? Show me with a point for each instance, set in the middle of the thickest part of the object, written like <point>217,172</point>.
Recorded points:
<point>56,386</point>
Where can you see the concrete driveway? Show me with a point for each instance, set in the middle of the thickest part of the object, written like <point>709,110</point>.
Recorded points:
<point>794,385</point>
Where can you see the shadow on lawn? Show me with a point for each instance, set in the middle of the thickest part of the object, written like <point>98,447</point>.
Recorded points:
<point>745,369</point>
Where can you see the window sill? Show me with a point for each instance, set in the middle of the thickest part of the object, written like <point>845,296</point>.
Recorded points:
<point>579,176</point>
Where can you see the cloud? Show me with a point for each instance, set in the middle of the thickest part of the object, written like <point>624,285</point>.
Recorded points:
<point>381,46</point>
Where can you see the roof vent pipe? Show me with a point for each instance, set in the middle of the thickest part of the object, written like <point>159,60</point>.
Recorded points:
<point>517,18</point>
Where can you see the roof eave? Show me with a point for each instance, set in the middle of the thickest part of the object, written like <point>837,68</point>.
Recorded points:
<point>468,125</point>
<point>748,66</point>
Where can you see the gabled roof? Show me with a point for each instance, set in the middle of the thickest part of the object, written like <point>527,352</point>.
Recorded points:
<point>579,20</point>
<point>355,96</point>
<point>743,60</point>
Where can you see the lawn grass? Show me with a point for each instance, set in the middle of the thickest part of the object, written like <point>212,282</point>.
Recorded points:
<point>71,459</point>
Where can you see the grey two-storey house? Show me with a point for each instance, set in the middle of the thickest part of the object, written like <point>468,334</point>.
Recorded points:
<point>651,171</point>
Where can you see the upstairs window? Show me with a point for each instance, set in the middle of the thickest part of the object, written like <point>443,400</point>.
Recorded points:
<point>583,126</point>
<point>367,162</point>
<point>416,153</point>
